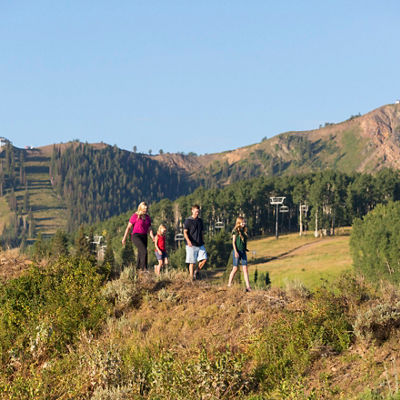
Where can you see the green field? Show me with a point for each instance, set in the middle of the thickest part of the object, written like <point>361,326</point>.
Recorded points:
<point>306,259</point>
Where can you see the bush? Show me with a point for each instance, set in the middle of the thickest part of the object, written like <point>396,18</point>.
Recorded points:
<point>377,323</point>
<point>375,242</point>
<point>44,310</point>
<point>289,345</point>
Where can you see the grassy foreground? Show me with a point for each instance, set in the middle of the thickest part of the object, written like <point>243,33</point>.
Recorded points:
<point>67,334</point>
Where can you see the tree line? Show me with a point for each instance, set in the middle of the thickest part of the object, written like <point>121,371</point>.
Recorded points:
<point>99,183</point>
<point>333,199</point>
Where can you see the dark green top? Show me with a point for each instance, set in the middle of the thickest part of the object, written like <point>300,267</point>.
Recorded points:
<point>241,244</point>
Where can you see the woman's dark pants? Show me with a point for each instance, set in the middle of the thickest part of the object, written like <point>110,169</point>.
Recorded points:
<point>140,241</point>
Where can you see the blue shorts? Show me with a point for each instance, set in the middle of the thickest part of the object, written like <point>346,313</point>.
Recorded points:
<point>195,254</point>
<point>161,256</point>
<point>242,257</point>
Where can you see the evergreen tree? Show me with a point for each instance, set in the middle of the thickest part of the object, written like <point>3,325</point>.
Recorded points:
<point>59,244</point>
<point>128,256</point>
<point>83,246</point>
<point>255,276</point>
<point>108,267</point>
<point>26,200</point>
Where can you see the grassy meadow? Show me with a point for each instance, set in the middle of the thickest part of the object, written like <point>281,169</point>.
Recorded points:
<point>306,259</point>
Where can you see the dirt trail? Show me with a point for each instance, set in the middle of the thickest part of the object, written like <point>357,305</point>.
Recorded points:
<point>295,249</point>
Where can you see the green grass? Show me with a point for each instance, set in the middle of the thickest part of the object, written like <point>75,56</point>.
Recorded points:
<point>353,151</point>
<point>306,259</point>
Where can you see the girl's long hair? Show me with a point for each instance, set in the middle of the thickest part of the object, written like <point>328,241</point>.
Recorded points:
<point>141,213</point>
<point>237,229</point>
<point>160,229</point>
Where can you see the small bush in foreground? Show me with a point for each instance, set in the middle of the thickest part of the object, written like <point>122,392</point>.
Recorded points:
<point>378,322</point>
<point>43,311</point>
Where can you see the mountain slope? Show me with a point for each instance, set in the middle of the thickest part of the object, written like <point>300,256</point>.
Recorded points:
<point>364,143</point>
<point>76,182</point>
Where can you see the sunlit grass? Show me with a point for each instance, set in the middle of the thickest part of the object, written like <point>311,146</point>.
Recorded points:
<point>310,260</point>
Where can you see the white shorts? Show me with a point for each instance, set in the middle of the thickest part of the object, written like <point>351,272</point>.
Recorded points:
<point>195,254</point>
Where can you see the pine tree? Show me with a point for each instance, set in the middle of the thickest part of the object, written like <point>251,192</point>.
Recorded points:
<point>83,246</point>
<point>107,268</point>
<point>59,245</point>
<point>128,256</point>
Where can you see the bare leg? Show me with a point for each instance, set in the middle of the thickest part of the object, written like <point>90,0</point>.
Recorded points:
<point>232,275</point>
<point>201,264</point>
<point>246,276</point>
<point>166,263</point>
<point>191,271</point>
<point>160,263</point>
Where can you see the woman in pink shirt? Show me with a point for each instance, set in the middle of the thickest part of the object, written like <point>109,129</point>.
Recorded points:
<point>140,225</point>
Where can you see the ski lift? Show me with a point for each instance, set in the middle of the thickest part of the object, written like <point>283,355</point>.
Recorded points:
<point>219,225</point>
<point>97,239</point>
<point>277,200</point>
<point>179,237</point>
<point>304,208</point>
<point>284,209</point>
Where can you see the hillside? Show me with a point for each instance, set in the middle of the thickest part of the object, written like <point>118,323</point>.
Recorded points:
<point>171,339</point>
<point>364,143</point>
<point>72,183</point>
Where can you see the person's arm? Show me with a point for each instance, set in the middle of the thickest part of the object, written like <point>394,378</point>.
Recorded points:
<point>128,227</point>
<point>156,245</point>
<point>185,234</point>
<point>234,246</point>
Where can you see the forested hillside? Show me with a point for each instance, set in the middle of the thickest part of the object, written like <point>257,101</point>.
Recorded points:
<point>65,185</point>
<point>98,183</point>
<point>333,199</point>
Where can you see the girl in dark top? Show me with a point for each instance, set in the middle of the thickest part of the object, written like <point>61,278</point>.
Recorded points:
<point>161,252</point>
<point>239,243</point>
<point>140,225</point>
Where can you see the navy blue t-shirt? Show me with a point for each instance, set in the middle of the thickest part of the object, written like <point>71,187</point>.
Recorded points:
<point>194,227</point>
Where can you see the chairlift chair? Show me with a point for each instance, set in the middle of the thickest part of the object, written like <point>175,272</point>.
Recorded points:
<point>179,237</point>
<point>277,200</point>
<point>219,225</point>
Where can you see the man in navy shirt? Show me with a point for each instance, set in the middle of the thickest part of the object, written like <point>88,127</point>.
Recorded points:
<point>193,233</point>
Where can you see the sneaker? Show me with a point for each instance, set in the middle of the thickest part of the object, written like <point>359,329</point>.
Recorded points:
<point>196,275</point>
<point>248,290</point>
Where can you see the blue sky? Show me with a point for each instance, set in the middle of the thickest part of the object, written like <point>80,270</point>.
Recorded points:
<point>191,76</point>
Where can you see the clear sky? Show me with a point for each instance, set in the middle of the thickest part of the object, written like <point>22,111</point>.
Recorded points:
<point>192,76</point>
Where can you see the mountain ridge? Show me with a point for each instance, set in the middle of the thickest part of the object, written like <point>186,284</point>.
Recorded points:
<point>363,143</point>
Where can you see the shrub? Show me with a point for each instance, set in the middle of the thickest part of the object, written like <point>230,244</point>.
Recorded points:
<point>378,322</point>
<point>44,310</point>
<point>204,377</point>
<point>289,345</point>
<point>375,242</point>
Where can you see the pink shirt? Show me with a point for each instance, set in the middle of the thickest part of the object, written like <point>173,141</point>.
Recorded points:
<point>140,225</point>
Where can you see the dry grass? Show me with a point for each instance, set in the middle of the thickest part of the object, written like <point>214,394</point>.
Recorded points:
<point>12,264</point>
<point>182,316</point>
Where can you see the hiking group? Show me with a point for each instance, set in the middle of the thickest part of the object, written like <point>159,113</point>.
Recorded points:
<point>139,227</point>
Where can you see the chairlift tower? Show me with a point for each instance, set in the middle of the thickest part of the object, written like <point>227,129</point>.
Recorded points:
<point>302,209</point>
<point>277,201</point>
